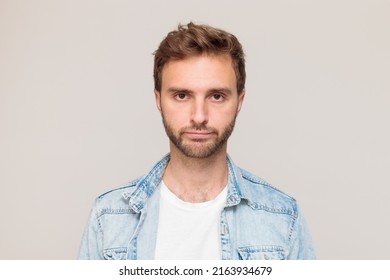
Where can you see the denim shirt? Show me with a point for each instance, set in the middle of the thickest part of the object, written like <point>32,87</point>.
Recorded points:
<point>257,222</point>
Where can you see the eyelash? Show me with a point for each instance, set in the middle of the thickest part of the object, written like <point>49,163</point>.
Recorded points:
<point>221,97</point>
<point>185,96</point>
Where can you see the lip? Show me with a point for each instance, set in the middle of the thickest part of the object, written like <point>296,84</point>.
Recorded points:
<point>198,135</point>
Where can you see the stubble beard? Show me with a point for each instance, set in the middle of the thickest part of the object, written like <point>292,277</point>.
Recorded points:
<point>199,148</point>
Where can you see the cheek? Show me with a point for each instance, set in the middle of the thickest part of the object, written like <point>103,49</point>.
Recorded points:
<point>223,117</point>
<point>174,117</point>
<point>174,111</point>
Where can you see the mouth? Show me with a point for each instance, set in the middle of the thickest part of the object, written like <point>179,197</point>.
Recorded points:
<point>198,134</point>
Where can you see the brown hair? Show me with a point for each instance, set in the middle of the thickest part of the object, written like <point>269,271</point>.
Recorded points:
<point>193,39</point>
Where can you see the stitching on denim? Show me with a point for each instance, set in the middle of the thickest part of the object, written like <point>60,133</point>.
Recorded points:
<point>111,211</point>
<point>265,248</point>
<point>257,206</point>
<point>293,223</point>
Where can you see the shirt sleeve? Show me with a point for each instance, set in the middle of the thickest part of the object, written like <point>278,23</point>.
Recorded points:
<point>301,242</point>
<point>91,243</point>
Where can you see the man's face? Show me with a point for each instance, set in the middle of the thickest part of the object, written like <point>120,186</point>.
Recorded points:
<point>199,103</point>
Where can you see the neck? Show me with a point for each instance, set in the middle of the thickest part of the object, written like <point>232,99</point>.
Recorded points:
<point>196,179</point>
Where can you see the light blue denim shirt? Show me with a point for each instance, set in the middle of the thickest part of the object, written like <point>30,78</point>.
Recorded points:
<point>257,222</point>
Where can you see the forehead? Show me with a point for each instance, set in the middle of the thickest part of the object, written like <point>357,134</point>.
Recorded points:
<point>206,70</point>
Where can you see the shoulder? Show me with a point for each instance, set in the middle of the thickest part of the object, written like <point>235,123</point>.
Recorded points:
<point>262,195</point>
<point>116,201</point>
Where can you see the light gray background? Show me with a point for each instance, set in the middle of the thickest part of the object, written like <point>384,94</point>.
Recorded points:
<point>77,113</point>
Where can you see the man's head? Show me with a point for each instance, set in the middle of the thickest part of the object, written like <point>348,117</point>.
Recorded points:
<point>192,40</point>
<point>199,88</point>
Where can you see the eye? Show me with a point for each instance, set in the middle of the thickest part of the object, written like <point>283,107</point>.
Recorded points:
<point>180,96</point>
<point>217,97</point>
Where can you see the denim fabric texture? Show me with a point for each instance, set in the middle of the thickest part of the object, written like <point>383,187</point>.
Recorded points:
<point>258,222</point>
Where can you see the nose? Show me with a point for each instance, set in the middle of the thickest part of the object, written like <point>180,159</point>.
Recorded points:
<point>199,112</point>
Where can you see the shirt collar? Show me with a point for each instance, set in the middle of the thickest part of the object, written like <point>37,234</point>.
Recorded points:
<point>146,186</point>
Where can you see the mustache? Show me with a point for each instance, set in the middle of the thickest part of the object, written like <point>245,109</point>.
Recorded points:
<point>198,128</point>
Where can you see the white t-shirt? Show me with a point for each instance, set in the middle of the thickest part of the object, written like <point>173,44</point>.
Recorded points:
<point>188,231</point>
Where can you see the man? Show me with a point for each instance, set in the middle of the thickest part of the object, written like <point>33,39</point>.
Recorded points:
<point>195,203</point>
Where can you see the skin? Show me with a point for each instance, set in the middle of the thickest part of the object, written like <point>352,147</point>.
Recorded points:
<point>199,103</point>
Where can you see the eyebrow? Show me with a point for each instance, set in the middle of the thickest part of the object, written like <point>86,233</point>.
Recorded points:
<point>176,89</point>
<point>223,90</point>
<point>212,90</point>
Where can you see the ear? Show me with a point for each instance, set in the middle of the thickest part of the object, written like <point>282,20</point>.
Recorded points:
<point>157,96</point>
<point>241,97</point>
